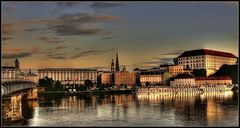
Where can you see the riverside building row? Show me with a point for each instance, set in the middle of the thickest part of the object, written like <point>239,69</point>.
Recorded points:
<point>209,60</point>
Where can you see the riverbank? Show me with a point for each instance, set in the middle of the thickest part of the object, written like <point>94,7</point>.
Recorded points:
<point>87,92</point>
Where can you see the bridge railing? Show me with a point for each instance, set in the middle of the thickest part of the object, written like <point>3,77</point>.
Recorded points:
<point>16,85</point>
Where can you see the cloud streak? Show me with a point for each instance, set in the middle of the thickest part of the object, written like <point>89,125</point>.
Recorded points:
<point>104,5</point>
<point>91,53</point>
<point>50,40</point>
<point>17,55</point>
<point>6,38</point>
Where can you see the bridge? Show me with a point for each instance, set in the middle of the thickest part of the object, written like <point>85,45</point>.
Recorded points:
<point>9,86</point>
<point>13,92</point>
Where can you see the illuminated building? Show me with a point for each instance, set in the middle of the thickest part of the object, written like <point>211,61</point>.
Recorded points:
<point>11,72</point>
<point>221,80</point>
<point>106,78</point>
<point>30,76</point>
<point>175,69</point>
<point>124,78</point>
<point>209,60</point>
<point>69,75</point>
<point>183,80</point>
<point>153,79</point>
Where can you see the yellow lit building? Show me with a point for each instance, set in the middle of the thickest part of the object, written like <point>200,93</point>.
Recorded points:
<point>222,80</point>
<point>155,79</point>
<point>124,78</point>
<point>210,60</point>
<point>106,78</point>
<point>183,80</point>
<point>176,69</point>
<point>69,75</point>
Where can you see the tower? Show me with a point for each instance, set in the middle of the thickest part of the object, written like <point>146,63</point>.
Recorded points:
<point>117,63</point>
<point>17,64</point>
<point>112,66</point>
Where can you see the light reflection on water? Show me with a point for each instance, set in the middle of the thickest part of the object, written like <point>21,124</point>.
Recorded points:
<point>182,109</point>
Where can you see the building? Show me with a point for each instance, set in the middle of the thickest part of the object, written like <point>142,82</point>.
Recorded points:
<point>117,63</point>
<point>221,80</point>
<point>11,72</point>
<point>183,80</point>
<point>164,67</point>
<point>69,75</point>
<point>210,60</point>
<point>124,78</point>
<point>30,76</point>
<point>106,78</point>
<point>175,69</point>
<point>153,79</point>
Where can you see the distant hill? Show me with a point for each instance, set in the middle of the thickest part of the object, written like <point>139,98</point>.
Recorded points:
<point>228,70</point>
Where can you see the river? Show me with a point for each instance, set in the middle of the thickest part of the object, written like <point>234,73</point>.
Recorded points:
<point>144,109</point>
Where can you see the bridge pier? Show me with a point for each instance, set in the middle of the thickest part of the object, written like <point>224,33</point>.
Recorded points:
<point>12,108</point>
<point>32,94</point>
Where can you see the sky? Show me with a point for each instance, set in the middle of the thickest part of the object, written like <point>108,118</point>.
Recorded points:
<point>88,34</point>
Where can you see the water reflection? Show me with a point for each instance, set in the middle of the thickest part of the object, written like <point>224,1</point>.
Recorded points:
<point>170,109</point>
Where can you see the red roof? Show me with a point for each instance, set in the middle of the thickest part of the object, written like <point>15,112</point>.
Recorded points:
<point>214,78</point>
<point>206,52</point>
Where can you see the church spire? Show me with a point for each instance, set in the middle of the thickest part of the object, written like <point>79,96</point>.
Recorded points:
<point>117,63</point>
<point>17,64</point>
<point>112,66</point>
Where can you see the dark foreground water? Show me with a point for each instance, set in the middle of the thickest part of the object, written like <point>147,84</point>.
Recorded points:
<point>207,109</point>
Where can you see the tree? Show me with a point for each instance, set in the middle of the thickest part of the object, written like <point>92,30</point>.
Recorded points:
<point>228,70</point>
<point>147,83</point>
<point>199,72</point>
<point>88,83</point>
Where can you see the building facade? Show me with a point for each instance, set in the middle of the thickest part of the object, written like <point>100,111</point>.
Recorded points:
<point>210,60</point>
<point>30,76</point>
<point>183,80</point>
<point>69,75</point>
<point>153,79</point>
<point>11,72</point>
<point>221,80</point>
<point>106,78</point>
<point>124,78</point>
<point>176,69</point>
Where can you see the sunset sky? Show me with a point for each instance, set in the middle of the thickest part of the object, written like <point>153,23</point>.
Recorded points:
<point>88,34</point>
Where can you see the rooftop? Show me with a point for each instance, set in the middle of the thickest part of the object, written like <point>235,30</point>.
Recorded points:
<point>214,78</point>
<point>206,52</point>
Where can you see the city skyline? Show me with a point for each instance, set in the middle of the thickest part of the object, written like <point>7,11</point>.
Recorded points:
<point>88,34</point>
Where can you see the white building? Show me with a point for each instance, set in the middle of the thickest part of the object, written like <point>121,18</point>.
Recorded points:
<point>209,60</point>
<point>69,75</point>
<point>183,80</point>
<point>176,69</point>
<point>153,79</point>
<point>221,80</point>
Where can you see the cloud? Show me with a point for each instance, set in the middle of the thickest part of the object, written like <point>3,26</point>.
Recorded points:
<point>7,28</point>
<point>91,52</point>
<point>30,29</point>
<point>67,3</point>
<point>57,55</point>
<point>72,24</point>
<point>17,55</point>
<point>104,5</point>
<point>61,47</point>
<point>111,37</point>
<point>159,61</point>
<point>6,38</point>
<point>174,52</point>
<point>10,8</point>
<point>69,29</point>
<point>12,49</point>
<point>66,24</point>
<point>50,40</point>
